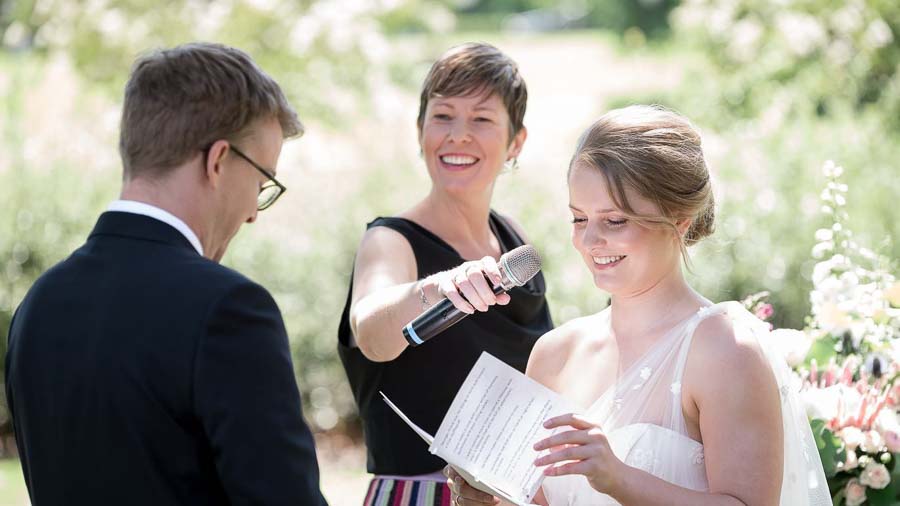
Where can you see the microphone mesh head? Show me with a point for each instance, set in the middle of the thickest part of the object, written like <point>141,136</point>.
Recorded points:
<point>521,264</point>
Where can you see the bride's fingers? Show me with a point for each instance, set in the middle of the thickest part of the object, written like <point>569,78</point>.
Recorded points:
<point>573,420</point>
<point>571,437</point>
<point>571,453</point>
<point>578,467</point>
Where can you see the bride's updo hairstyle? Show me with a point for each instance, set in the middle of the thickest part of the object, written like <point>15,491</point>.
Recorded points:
<point>656,153</point>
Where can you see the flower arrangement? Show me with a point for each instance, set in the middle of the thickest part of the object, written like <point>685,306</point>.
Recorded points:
<point>847,359</point>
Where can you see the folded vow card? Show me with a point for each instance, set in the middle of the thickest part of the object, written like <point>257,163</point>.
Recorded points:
<point>488,434</point>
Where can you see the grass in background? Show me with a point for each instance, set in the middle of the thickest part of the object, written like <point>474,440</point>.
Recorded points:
<point>12,485</point>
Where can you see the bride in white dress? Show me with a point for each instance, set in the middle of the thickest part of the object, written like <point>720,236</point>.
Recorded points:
<point>685,401</point>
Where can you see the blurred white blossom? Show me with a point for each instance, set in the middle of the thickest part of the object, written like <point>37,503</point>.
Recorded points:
<point>802,32</point>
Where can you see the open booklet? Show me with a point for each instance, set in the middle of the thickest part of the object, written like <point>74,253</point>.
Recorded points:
<point>488,434</point>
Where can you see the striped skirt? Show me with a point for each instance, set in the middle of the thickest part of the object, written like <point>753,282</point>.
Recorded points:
<point>390,492</point>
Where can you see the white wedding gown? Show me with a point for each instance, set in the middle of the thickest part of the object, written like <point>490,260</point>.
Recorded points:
<point>642,417</point>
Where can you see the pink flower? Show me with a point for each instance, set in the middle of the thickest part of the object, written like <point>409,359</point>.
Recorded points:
<point>892,440</point>
<point>895,393</point>
<point>854,493</point>
<point>876,476</point>
<point>764,311</point>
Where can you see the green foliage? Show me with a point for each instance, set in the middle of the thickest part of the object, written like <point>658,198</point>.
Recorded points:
<point>886,496</point>
<point>45,201</point>
<point>649,17</point>
<point>824,55</point>
<point>830,447</point>
<point>822,350</point>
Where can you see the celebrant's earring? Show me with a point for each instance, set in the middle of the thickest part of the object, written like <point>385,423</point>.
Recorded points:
<point>511,165</point>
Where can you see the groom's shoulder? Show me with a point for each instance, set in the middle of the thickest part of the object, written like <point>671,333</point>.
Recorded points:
<point>212,279</point>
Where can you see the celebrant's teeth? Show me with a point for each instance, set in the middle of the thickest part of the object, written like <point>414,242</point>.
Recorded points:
<point>607,260</point>
<point>458,160</point>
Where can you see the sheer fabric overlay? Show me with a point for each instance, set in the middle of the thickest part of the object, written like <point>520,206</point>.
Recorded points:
<point>642,417</point>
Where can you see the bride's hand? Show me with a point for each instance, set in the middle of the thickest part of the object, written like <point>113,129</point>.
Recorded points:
<point>463,494</point>
<point>583,450</point>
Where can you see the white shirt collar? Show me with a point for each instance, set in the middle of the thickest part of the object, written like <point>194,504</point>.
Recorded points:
<point>134,207</point>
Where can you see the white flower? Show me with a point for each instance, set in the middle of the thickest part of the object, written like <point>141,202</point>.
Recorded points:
<point>852,436</point>
<point>854,493</point>
<point>831,318</point>
<point>830,169</point>
<point>791,344</point>
<point>645,373</point>
<point>847,20</point>
<point>875,475</point>
<point>823,403</point>
<point>824,234</point>
<point>892,294</point>
<point>888,419</point>
<point>878,34</point>
<point>821,248</point>
<point>873,442</point>
<point>851,462</point>
<point>744,40</point>
<point>802,32</point>
<point>698,458</point>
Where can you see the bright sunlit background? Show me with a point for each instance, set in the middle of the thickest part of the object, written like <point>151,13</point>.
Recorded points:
<point>776,86</point>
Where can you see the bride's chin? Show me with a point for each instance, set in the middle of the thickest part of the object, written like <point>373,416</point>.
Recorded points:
<point>605,286</point>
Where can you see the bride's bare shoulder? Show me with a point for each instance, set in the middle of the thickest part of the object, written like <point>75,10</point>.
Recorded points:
<point>723,346</point>
<point>718,338</point>
<point>555,348</point>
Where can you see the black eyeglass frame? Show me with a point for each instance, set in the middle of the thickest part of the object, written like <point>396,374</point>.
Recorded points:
<point>269,175</point>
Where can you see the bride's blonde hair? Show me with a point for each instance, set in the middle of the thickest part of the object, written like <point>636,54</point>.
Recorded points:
<point>657,153</point>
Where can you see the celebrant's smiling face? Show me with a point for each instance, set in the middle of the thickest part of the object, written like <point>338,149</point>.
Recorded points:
<point>465,141</point>
<point>624,257</point>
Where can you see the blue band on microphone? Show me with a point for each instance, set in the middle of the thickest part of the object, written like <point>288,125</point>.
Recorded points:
<point>412,334</point>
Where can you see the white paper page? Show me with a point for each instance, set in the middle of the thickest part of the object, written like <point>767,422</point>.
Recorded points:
<point>462,472</point>
<point>420,431</point>
<point>492,425</point>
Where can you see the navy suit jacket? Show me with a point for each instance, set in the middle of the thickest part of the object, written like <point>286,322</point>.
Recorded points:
<point>139,372</point>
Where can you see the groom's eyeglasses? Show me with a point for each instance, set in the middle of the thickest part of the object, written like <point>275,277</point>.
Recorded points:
<point>270,191</point>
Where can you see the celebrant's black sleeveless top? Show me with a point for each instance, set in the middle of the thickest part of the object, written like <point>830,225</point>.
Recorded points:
<point>423,380</point>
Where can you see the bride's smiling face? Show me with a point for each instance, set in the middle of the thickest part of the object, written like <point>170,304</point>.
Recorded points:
<point>624,257</point>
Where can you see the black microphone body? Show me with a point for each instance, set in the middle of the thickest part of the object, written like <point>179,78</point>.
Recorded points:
<point>516,268</point>
<point>435,320</point>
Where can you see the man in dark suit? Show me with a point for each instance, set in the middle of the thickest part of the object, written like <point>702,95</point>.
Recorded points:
<point>139,370</point>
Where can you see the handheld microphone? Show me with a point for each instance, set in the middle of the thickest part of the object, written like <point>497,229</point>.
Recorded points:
<point>516,268</point>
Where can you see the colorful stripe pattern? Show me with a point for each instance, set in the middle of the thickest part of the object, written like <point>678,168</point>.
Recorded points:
<point>387,492</point>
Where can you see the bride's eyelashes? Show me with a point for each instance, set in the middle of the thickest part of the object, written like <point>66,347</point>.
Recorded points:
<point>610,222</point>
